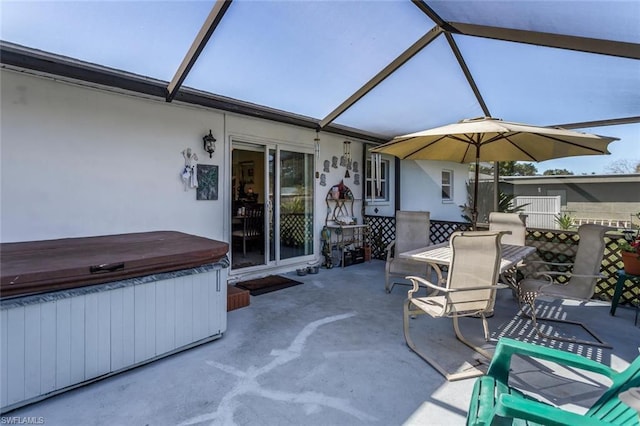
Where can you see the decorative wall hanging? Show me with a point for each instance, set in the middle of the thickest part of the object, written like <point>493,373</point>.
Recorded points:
<point>323,180</point>
<point>326,166</point>
<point>346,148</point>
<point>334,162</point>
<point>208,182</point>
<point>355,167</point>
<point>188,175</point>
<point>376,169</point>
<point>356,179</point>
<point>316,151</point>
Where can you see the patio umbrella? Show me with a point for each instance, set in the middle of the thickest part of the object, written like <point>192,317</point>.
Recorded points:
<point>492,139</point>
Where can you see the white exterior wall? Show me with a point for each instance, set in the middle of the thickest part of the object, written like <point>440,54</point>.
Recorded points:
<point>79,161</point>
<point>421,188</point>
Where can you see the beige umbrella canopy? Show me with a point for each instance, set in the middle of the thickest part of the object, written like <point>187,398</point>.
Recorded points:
<point>491,139</point>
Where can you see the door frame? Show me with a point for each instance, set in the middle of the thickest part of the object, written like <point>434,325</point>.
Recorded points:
<point>265,145</point>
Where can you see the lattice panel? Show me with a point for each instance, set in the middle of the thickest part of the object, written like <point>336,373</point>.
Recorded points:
<point>561,246</point>
<point>552,246</point>
<point>382,230</point>
<point>296,229</point>
<point>440,231</point>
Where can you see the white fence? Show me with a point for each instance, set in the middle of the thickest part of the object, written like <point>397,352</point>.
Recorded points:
<point>540,210</point>
<point>615,223</point>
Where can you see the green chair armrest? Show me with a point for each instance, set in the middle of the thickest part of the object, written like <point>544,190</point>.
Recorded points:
<point>506,348</point>
<point>517,407</point>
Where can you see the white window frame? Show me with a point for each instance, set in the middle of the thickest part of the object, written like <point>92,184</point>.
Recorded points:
<point>449,199</point>
<point>370,183</point>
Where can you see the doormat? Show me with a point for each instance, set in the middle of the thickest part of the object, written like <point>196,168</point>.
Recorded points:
<point>267,284</point>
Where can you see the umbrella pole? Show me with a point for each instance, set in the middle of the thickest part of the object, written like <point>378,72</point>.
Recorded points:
<point>474,212</point>
<point>496,186</point>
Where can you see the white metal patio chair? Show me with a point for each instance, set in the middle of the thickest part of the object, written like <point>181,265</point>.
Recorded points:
<point>515,228</point>
<point>412,232</point>
<point>470,290</point>
<point>582,276</point>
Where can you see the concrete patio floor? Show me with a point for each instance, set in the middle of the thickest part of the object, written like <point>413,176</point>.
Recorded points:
<point>330,352</point>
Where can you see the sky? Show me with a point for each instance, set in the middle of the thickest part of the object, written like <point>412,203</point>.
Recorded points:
<point>627,149</point>
<point>306,57</point>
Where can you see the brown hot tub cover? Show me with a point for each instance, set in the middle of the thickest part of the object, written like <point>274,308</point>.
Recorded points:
<point>41,266</point>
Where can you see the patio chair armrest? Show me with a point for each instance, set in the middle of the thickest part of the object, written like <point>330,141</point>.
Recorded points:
<point>542,262</point>
<point>417,281</point>
<point>389,250</point>
<point>484,287</point>
<point>550,274</point>
<point>506,348</point>
<point>521,408</point>
<point>587,275</point>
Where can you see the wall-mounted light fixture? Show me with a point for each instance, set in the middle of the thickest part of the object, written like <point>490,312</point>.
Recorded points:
<point>209,143</point>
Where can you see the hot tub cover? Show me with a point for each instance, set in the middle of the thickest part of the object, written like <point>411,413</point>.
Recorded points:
<point>41,266</point>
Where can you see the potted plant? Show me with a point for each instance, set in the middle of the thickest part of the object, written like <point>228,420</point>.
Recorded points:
<point>630,251</point>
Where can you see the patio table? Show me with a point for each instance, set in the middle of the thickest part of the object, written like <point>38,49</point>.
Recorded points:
<point>440,255</point>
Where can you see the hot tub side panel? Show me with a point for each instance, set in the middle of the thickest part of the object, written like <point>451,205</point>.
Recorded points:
<point>56,342</point>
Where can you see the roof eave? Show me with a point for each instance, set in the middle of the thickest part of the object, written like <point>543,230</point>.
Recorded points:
<point>21,57</point>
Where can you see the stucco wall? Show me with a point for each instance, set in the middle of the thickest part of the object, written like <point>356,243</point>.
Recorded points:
<point>421,188</point>
<point>80,161</point>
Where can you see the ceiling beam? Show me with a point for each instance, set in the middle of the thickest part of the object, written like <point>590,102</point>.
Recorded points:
<point>215,16</point>
<point>467,74</point>
<point>600,123</point>
<point>560,41</point>
<point>427,10</point>
<point>20,58</point>
<point>209,100</point>
<point>378,78</point>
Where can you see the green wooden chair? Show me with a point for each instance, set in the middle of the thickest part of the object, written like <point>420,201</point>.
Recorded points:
<point>494,402</point>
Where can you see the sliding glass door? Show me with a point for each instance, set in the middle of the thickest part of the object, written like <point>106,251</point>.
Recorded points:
<point>296,204</point>
<point>248,207</point>
<point>279,184</point>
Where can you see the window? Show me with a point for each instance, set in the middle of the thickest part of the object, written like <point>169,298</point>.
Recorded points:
<point>370,184</point>
<point>447,185</point>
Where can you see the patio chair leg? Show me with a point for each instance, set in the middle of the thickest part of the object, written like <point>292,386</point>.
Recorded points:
<point>464,340</point>
<point>534,319</point>
<point>408,312</point>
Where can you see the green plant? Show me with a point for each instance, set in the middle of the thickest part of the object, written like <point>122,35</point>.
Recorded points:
<point>564,221</point>
<point>630,246</point>
<point>485,202</point>
<point>294,203</point>
<point>631,243</point>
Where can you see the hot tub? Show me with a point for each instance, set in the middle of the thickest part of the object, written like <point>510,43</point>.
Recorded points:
<point>81,309</point>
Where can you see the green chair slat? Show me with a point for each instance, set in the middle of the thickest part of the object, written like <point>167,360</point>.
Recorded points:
<point>494,402</point>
